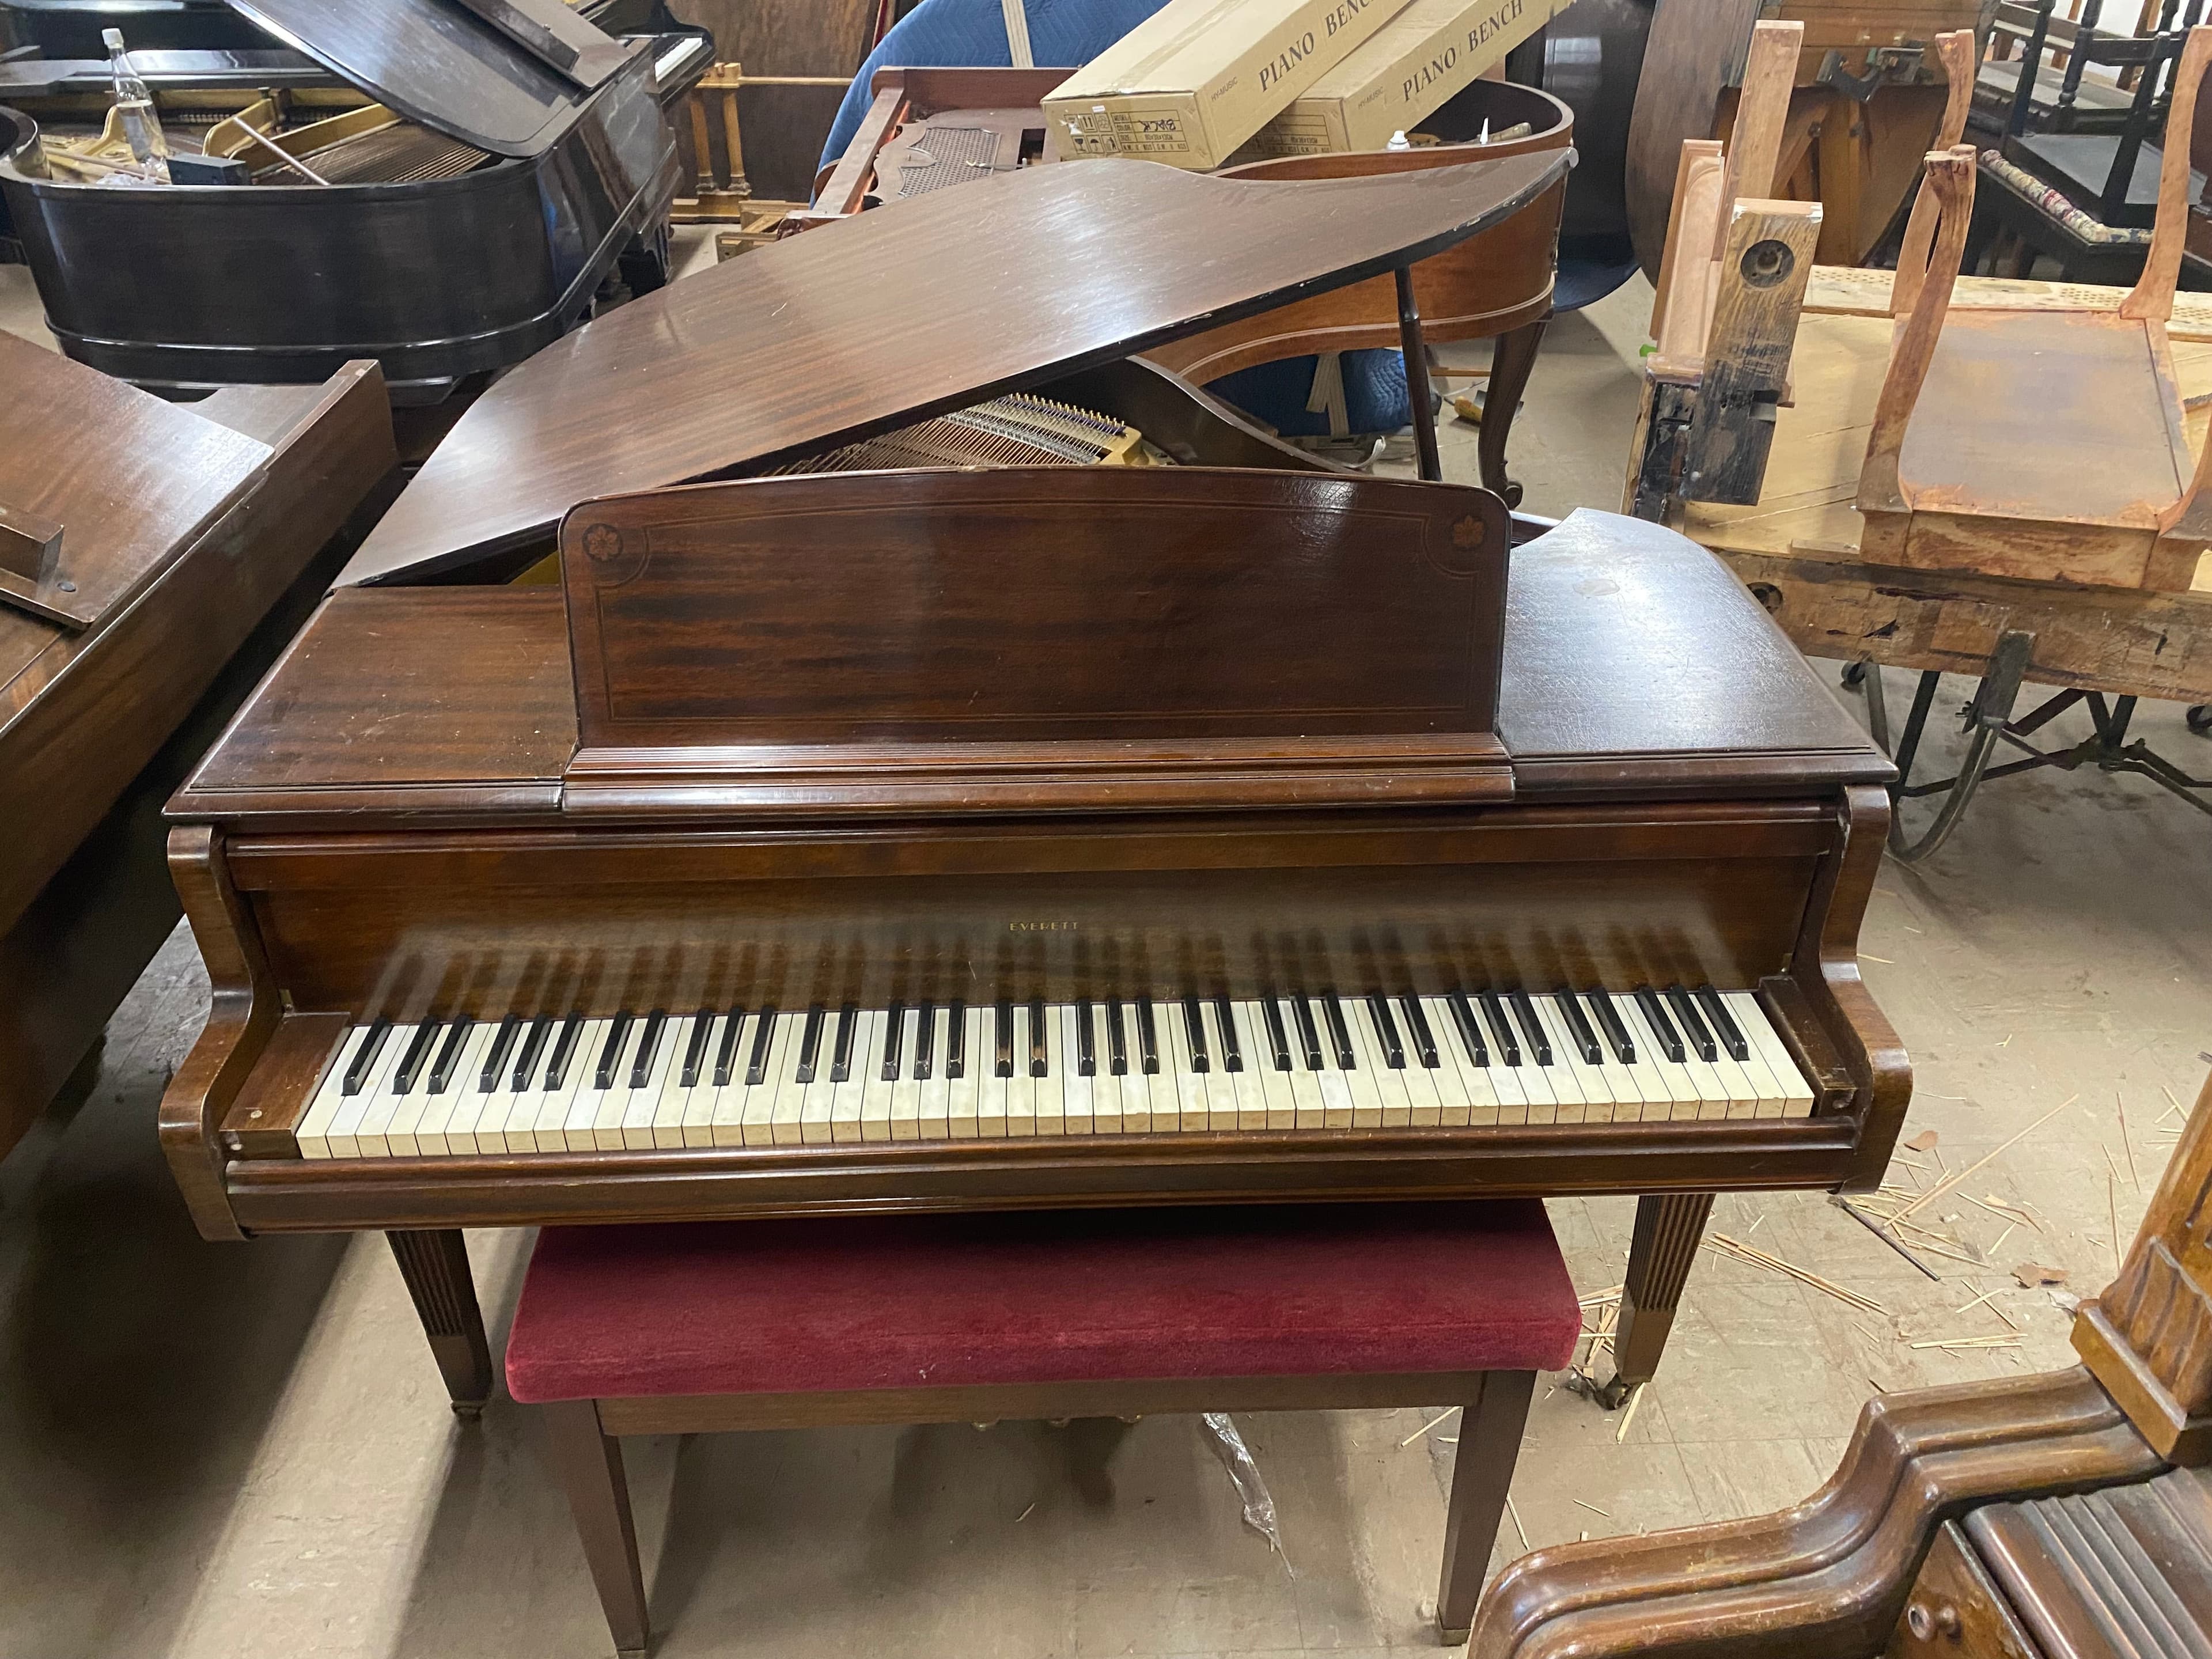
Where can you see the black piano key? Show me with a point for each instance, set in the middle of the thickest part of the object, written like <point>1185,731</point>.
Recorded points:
<point>1039,1050</point>
<point>1579,1029</point>
<point>564,1051</point>
<point>364,1057</point>
<point>1469,1027</point>
<point>1117,1041</point>
<point>1232,1051</point>
<point>810,1044</point>
<point>1148,1038</point>
<point>726,1051</point>
<point>1722,1022</point>
<point>1309,1034</point>
<point>1002,1039</point>
<point>924,1040</point>
<point>402,1080</point>
<point>849,1032</point>
<point>1339,1032</point>
<point>502,1044</point>
<point>763,1040</point>
<point>441,1069</point>
<point>955,1040</point>
<point>1663,1029</point>
<point>1279,1040</point>
<point>1086,1041</point>
<point>1194,1025</point>
<point>1615,1029</point>
<point>695,1051</point>
<point>1393,1047</point>
<point>894,1040</point>
<point>610,1051</point>
<point>1502,1033</point>
<point>1416,1027</point>
<point>1532,1027</point>
<point>1694,1033</point>
<point>648,1045</point>
<point>533,1045</point>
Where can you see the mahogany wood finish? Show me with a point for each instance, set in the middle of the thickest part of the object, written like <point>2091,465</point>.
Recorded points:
<point>841,643</point>
<point>641,399</point>
<point>1668,1227</point>
<point>1909,1544</point>
<point>435,1266</point>
<point>183,529</point>
<point>1684,801</point>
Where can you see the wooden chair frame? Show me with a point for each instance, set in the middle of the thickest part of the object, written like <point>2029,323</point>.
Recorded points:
<point>586,1437</point>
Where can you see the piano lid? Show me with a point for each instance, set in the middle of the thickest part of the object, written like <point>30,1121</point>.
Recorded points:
<point>506,75</point>
<point>890,317</point>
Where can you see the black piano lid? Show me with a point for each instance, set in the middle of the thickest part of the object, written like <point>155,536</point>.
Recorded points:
<point>441,63</point>
<point>273,66</point>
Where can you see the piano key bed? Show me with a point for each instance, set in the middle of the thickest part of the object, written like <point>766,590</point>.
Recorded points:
<point>1325,1061</point>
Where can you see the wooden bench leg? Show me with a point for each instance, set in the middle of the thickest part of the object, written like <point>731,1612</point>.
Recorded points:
<point>1490,1428</point>
<point>590,1465</point>
<point>435,1266</point>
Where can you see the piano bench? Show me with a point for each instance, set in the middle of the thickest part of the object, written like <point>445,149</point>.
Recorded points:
<point>702,1328</point>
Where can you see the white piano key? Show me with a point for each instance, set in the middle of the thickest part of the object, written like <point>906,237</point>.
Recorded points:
<point>881,1118</point>
<point>1021,1087</point>
<point>345,1128</point>
<point>313,1136</point>
<point>1106,1091</point>
<point>761,1101</point>
<point>1246,1085</point>
<point>1049,1091</point>
<point>654,1113</point>
<point>1136,1087</point>
<point>1652,1095</point>
<point>1589,1079</point>
<point>819,1111</point>
<point>1623,1089</point>
<point>1397,1101</point>
<point>716,1114</point>
<point>1742,1092</point>
<point>1771,1086</point>
<point>370,1137</point>
<point>407,1109</point>
<point>1425,1084</point>
<point>1463,1088</point>
<point>431,1139</point>
<point>848,1101</point>
<point>1760,1031</point>
<point>904,1110</point>
<point>933,1120</point>
<point>611,1105</point>
<point>991,1088</point>
<point>1075,1089</point>
<point>1312,1103</point>
<point>1190,1107</point>
<point>476,1102</point>
<point>966,1117</point>
<point>1359,1077</point>
<point>1559,1077</point>
<point>1281,1100</point>
<point>1679,1098</point>
<point>568,1116</point>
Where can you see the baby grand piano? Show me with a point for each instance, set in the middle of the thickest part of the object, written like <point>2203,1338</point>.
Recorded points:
<point>983,837</point>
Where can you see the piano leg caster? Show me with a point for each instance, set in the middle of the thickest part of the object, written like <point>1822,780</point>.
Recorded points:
<point>435,1266</point>
<point>1669,1229</point>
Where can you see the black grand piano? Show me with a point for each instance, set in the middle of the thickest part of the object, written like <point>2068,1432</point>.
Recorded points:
<point>444,186</point>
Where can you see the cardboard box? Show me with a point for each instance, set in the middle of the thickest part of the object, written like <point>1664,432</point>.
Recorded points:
<point>1193,81</point>
<point>1405,72</point>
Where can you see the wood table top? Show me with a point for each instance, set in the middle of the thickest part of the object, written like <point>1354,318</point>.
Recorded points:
<point>884,318</point>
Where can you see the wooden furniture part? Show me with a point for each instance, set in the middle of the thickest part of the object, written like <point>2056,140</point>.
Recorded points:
<point>1624,822</point>
<point>2047,444</point>
<point>796,56</point>
<point>966,124</point>
<point>723,193</point>
<point>2091,103</point>
<point>180,530</point>
<point>1114,1315</point>
<point>1869,93</point>
<point>642,399</point>
<point>2029,1517</point>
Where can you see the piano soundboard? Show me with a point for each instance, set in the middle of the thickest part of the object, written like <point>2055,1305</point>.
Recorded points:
<point>768,1077</point>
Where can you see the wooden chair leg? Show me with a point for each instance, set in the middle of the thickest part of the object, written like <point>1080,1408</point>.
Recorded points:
<point>590,1465</point>
<point>1512,356</point>
<point>1490,1429</point>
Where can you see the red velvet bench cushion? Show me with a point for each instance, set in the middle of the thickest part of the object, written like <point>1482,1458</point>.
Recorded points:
<point>824,1305</point>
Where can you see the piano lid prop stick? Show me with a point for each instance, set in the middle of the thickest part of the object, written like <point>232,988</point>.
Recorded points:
<point>1414,350</point>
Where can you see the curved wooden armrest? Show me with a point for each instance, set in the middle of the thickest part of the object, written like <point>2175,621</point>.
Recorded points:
<point>1927,269</point>
<point>1829,1577</point>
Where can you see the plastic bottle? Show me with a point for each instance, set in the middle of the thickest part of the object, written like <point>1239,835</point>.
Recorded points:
<point>134,104</point>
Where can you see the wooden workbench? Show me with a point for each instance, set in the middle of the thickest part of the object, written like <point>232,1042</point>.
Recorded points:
<point>1798,547</point>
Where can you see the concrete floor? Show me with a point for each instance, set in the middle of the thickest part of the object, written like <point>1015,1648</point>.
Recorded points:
<point>239,1450</point>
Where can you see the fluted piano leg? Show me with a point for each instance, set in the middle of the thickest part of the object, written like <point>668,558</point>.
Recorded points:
<point>1668,1227</point>
<point>435,1266</point>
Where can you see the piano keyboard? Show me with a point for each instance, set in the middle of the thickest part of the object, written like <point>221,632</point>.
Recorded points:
<point>768,1077</point>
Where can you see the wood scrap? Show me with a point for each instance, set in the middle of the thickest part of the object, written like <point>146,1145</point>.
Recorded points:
<point>1635,1399</point>
<point>1751,1253</point>
<point>1426,1426</point>
<point>1949,1181</point>
<point>1883,1233</point>
<point>2120,1100</point>
<point>1925,1141</point>
<point>2031,1274</point>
